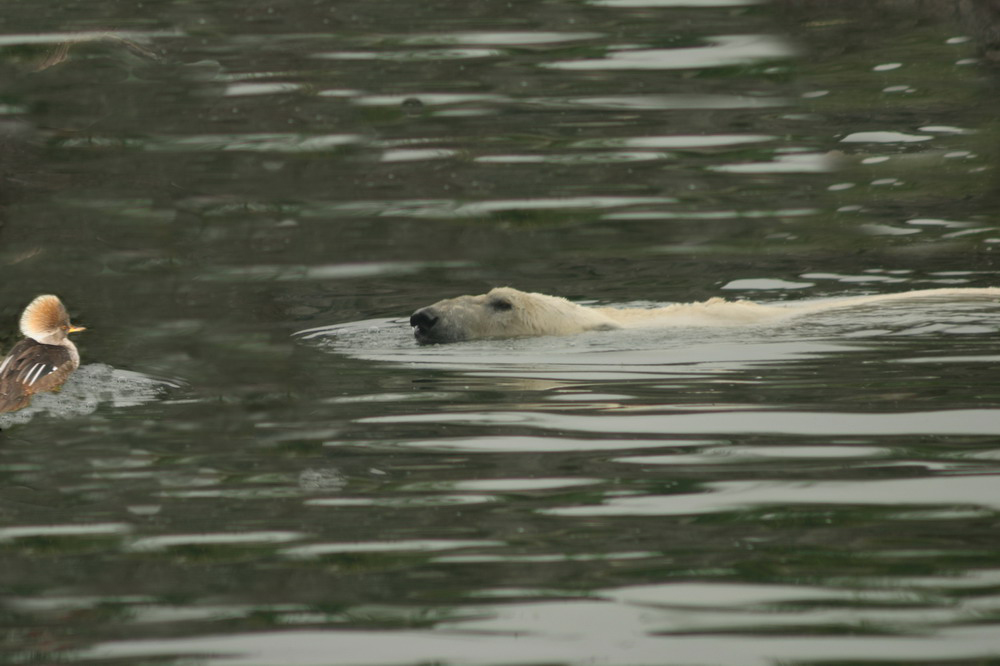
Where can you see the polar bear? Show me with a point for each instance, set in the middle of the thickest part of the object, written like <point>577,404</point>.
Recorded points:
<point>505,312</point>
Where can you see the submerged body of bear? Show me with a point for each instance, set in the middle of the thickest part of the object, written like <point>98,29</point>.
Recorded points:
<point>505,312</point>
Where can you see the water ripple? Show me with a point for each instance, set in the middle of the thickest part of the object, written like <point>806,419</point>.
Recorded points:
<point>721,51</point>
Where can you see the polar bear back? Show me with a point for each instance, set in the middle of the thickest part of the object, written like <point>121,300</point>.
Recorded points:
<point>713,312</point>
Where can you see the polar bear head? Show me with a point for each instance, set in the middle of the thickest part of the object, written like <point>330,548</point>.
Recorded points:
<point>504,313</point>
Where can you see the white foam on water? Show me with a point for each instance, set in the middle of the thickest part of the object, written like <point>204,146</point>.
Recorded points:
<point>88,388</point>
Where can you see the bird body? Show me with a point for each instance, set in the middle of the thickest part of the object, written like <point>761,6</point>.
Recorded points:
<point>44,359</point>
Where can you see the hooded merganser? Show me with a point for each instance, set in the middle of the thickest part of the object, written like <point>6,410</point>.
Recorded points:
<point>44,359</point>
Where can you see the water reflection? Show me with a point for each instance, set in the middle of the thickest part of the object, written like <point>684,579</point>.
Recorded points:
<point>304,648</point>
<point>721,51</point>
<point>961,490</point>
<point>736,420</point>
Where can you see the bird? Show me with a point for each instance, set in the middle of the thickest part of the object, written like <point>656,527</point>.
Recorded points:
<point>44,359</point>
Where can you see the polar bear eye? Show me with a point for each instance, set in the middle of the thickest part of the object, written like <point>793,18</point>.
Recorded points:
<point>501,304</point>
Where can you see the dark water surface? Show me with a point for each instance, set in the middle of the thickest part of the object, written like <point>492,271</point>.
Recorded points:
<point>202,181</point>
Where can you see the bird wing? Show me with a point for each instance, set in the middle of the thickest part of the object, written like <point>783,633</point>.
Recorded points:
<point>31,367</point>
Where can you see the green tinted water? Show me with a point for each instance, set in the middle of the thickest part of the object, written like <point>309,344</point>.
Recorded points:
<point>210,179</point>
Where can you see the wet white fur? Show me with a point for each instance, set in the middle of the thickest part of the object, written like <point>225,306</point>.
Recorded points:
<point>533,314</point>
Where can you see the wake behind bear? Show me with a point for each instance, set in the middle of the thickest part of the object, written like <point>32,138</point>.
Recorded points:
<point>505,312</point>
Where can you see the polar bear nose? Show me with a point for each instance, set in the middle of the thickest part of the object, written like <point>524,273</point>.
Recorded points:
<point>423,319</point>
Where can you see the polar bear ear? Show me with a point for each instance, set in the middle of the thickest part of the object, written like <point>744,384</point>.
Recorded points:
<point>500,304</point>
